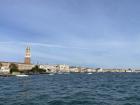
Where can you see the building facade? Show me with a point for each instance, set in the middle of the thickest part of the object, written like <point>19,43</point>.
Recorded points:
<point>55,68</point>
<point>49,68</point>
<point>63,68</point>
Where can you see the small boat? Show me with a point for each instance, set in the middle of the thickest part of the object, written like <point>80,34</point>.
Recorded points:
<point>51,74</point>
<point>89,73</point>
<point>22,75</point>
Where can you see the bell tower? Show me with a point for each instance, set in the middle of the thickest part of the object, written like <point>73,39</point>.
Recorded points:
<point>27,56</point>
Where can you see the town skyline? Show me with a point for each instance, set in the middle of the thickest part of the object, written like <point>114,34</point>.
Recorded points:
<point>89,33</point>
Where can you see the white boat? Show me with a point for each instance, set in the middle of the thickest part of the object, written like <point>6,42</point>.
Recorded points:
<point>51,74</point>
<point>89,73</point>
<point>22,75</point>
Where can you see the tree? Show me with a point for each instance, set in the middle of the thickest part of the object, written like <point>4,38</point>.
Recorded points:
<point>0,65</point>
<point>36,69</point>
<point>13,68</point>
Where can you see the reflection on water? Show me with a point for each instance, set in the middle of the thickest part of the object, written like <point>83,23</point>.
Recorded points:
<point>71,89</point>
<point>24,92</point>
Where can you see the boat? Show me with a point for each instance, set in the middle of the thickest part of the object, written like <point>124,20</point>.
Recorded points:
<point>51,74</point>
<point>89,73</point>
<point>22,75</point>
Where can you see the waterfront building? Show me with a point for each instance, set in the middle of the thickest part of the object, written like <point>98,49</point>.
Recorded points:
<point>55,68</point>
<point>75,69</point>
<point>21,66</point>
<point>110,70</point>
<point>129,70</point>
<point>137,70</point>
<point>83,69</point>
<point>4,70</point>
<point>99,70</point>
<point>91,70</point>
<point>49,68</point>
<point>5,64</point>
<point>114,70</point>
<point>63,68</point>
<point>24,67</point>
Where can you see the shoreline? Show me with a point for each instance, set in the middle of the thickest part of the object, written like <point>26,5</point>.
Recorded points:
<point>12,75</point>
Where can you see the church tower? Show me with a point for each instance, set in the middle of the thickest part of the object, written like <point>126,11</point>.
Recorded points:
<point>27,56</point>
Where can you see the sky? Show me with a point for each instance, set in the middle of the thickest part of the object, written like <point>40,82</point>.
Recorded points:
<point>94,33</point>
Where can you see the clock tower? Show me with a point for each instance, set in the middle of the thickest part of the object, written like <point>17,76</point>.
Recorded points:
<point>27,56</point>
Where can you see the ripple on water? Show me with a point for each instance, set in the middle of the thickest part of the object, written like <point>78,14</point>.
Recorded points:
<point>72,89</point>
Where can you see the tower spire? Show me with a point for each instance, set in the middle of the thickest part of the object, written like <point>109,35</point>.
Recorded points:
<point>27,56</point>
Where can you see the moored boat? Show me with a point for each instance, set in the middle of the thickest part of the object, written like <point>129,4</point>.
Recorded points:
<point>51,74</point>
<point>89,73</point>
<point>22,75</point>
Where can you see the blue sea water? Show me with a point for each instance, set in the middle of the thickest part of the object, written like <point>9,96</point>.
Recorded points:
<point>71,89</point>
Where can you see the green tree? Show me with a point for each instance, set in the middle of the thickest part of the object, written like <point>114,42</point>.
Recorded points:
<point>36,69</point>
<point>13,68</point>
<point>0,65</point>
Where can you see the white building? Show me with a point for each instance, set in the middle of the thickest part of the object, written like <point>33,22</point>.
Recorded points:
<point>49,68</point>
<point>91,70</point>
<point>63,68</point>
<point>130,70</point>
<point>24,67</point>
<point>75,69</point>
<point>137,70</point>
<point>4,69</point>
<point>99,70</point>
<point>55,68</point>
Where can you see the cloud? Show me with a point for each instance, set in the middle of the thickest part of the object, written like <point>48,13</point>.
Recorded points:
<point>40,45</point>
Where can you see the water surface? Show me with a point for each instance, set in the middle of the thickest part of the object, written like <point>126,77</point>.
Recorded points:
<point>71,89</point>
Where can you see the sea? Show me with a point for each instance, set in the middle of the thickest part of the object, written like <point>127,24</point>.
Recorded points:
<point>71,89</point>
